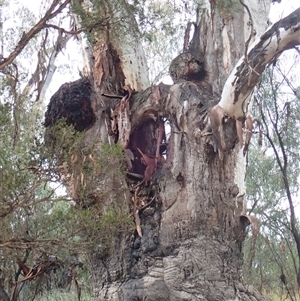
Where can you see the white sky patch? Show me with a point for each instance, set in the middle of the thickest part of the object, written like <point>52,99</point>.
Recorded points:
<point>282,9</point>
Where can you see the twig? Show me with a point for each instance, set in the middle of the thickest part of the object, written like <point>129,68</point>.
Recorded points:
<point>146,205</point>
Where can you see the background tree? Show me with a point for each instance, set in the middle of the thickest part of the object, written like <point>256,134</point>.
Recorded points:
<point>41,230</point>
<point>272,179</point>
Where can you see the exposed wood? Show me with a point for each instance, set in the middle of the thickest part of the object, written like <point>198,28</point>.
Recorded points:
<point>121,118</point>
<point>216,115</point>
<point>122,33</point>
<point>151,166</point>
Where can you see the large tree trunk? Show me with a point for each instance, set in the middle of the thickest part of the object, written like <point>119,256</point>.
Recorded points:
<point>188,242</point>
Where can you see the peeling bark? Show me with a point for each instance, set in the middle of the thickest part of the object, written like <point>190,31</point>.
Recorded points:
<point>122,34</point>
<point>216,115</point>
<point>283,35</point>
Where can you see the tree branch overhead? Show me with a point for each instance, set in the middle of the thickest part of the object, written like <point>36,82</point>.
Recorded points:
<point>50,14</point>
<point>283,35</point>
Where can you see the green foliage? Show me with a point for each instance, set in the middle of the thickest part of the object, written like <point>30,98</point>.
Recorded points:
<point>34,211</point>
<point>274,256</point>
<point>63,142</point>
<point>16,154</point>
<point>158,20</point>
<point>38,217</point>
<point>102,17</point>
<point>88,18</point>
<point>89,168</point>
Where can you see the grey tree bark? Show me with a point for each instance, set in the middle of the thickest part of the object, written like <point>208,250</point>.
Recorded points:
<point>189,231</point>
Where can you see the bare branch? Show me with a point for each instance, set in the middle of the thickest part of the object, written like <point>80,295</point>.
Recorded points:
<point>25,203</point>
<point>100,23</point>
<point>45,70</point>
<point>50,14</point>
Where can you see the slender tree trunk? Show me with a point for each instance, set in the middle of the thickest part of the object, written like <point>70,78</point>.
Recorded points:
<point>189,236</point>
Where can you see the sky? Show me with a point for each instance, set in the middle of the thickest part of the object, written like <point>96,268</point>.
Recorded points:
<point>281,10</point>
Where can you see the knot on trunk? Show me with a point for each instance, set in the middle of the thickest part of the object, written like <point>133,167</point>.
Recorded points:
<point>187,66</point>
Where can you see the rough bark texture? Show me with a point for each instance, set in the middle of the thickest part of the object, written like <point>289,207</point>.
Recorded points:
<point>189,231</point>
<point>191,244</point>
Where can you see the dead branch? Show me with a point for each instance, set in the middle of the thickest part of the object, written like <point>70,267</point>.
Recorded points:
<point>25,203</point>
<point>19,244</point>
<point>186,39</point>
<point>23,267</point>
<point>146,205</point>
<point>20,270</point>
<point>252,31</point>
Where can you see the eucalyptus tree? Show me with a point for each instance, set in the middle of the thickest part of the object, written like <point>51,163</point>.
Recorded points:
<point>185,190</point>
<point>189,208</point>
